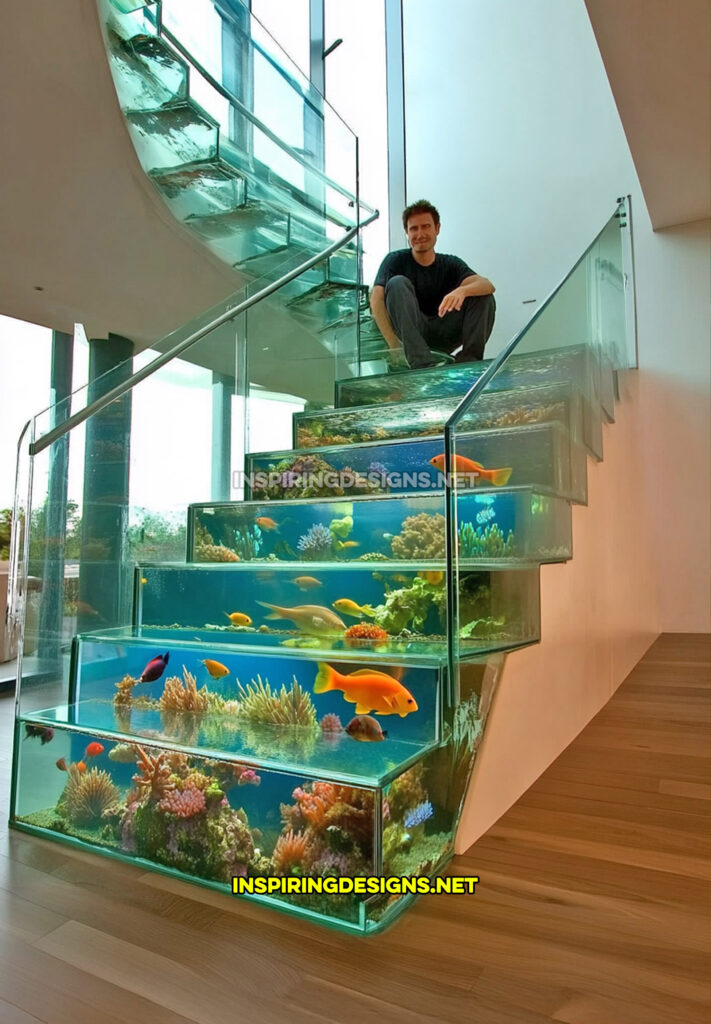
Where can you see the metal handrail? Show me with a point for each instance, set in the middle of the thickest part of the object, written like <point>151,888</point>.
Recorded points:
<point>150,368</point>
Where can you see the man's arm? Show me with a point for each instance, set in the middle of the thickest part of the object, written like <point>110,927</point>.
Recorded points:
<point>380,315</point>
<point>475,284</point>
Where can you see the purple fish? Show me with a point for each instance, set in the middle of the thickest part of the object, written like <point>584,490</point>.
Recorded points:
<point>155,668</point>
<point>41,732</point>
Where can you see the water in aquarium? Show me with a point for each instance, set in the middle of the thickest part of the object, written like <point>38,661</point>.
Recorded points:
<point>543,455</point>
<point>493,525</point>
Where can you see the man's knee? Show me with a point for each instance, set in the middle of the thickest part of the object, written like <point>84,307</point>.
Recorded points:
<point>399,286</point>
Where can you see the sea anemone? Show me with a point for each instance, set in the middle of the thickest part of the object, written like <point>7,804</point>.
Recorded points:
<point>183,804</point>
<point>179,696</point>
<point>363,633</point>
<point>316,542</point>
<point>290,852</point>
<point>88,795</point>
<point>258,703</point>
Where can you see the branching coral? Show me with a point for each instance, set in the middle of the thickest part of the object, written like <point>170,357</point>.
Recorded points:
<point>124,691</point>
<point>422,536</point>
<point>183,695</point>
<point>154,776</point>
<point>87,795</point>
<point>326,805</point>
<point>258,703</point>
<point>290,852</point>
<point>316,543</point>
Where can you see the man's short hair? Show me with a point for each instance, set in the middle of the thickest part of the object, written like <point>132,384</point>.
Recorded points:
<point>421,206</point>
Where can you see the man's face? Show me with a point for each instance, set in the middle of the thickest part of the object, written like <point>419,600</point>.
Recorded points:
<point>421,232</point>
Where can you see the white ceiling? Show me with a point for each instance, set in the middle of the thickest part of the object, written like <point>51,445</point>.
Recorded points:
<point>657,55</point>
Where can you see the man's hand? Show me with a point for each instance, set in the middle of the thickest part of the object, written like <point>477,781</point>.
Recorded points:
<point>452,301</point>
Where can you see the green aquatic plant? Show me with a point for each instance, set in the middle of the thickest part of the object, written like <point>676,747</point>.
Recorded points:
<point>341,528</point>
<point>259,703</point>
<point>409,606</point>
<point>488,541</point>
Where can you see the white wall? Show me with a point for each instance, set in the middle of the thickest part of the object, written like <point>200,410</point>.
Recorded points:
<point>512,131</point>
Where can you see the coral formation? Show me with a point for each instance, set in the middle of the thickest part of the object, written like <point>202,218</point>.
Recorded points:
<point>258,703</point>
<point>487,541</point>
<point>87,795</point>
<point>184,803</point>
<point>330,724</point>
<point>183,695</point>
<point>363,634</point>
<point>215,553</point>
<point>310,476</point>
<point>290,853</point>
<point>124,691</point>
<point>422,536</point>
<point>410,606</point>
<point>316,543</point>
<point>153,778</point>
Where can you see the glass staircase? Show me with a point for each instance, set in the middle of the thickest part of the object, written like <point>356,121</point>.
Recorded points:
<point>289,683</point>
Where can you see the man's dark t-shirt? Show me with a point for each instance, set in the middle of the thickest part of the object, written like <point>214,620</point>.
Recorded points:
<point>431,283</point>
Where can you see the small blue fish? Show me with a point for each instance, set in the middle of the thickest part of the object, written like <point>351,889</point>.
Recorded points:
<point>485,515</point>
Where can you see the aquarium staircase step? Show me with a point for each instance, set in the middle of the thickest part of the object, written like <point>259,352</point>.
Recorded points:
<point>175,134</point>
<point>147,70</point>
<point>541,455</point>
<point>396,420</point>
<point>579,365</point>
<point>499,525</point>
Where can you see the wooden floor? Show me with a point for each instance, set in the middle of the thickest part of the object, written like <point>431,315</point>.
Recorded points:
<point>593,905</point>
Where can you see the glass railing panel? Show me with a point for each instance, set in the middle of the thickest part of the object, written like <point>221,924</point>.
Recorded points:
<point>116,490</point>
<point>567,338</point>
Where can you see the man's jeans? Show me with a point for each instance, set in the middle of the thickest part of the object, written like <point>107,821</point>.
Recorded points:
<point>469,326</point>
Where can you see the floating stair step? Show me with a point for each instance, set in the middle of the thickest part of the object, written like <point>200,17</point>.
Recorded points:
<point>327,304</point>
<point>542,455</point>
<point>252,229</point>
<point>578,365</point>
<point>498,607</point>
<point>147,72</point>
<point>497,526</point>
<point>128,6</point>
<point>148,712</point>
<point>202,189</point>
<point>176,134</point>
<point>397,420</point>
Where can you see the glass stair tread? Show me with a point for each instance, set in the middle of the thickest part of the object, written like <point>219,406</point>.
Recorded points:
<point>291,749</point>
<point>509,525</point>
<point>540,454</point>
<point>175,134</point>
<point>576,365</point>
<point>202,188</point>
<point>264,184</point>
<point>398,419</point>
<point>148,74</point>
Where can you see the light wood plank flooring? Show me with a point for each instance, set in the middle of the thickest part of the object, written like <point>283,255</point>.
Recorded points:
<point>593,905</point>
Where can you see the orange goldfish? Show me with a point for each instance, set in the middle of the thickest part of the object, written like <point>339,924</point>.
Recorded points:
<point>307,582</point>
<point>368,690</point>
<point>460,464</point>
<point>93,750</point>
<point>265,523</point>
<point>309,618</point>
<point>239,618</point>
<point>215,668</point>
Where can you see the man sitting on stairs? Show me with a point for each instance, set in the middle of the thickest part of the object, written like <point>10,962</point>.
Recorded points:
<point>424,301</point>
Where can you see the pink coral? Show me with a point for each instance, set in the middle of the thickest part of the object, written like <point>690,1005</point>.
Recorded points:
<point>185,804</point>
<point>330,724</point>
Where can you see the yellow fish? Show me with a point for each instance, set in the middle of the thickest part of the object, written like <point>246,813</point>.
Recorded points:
<point>143,579</point>
<point>239,618</point>
<point>368,690</point>
<point>307,582</point>
<point>433,577</point>
<point>309,618</point>
<point>215,668</point>
<point>347,607</point>
<point>345,545</point>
